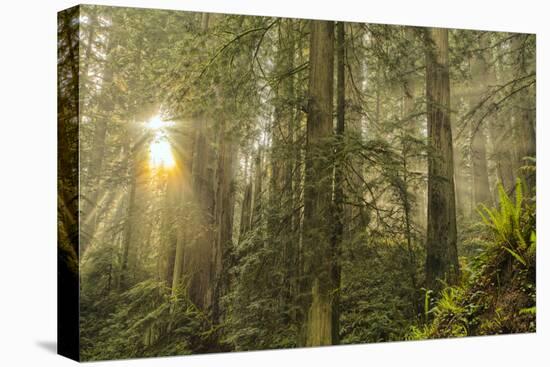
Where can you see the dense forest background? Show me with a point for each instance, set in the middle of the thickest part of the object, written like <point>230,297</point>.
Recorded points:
<point>252,182</point>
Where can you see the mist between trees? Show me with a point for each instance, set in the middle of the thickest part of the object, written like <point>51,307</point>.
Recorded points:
<point>255,183</point>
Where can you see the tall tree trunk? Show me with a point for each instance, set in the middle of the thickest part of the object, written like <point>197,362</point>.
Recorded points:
<point>257,194</point>
<point>246,211</point>
<point>129,225</point>
<point>104,113</point>
<point>224,206</point>
<point>462,194</point>
<point>501,135</point>
<point>416,163</point>
<point>200,254</point>
<point>168,245</point>
<point>412,128</point>
<point>281,206</point>
<point>441,247</point>
<point>92,209</point>
<point>480,172</point>
<point>524,116</point>
<point>318,187</point>
<point>356,217</point>
<point>338,179</point>
<point>292,243</point>
<point>179,238</point>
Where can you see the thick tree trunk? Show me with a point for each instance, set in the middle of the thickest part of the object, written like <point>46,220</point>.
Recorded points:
<point>224,207</point>
<point>338,179</point>
<point>318,187</point>
<point>442,258</point>
<point>200,253</point>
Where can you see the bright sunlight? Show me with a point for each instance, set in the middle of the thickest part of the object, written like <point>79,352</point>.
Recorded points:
<point>161,154</point>
<point>160,150</point>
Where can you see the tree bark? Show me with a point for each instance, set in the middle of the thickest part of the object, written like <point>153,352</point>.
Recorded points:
<point>338,179</point>
<point>224,206</point>
<point>441,247</point>
<point>200,253</point>
<point>318,187</point>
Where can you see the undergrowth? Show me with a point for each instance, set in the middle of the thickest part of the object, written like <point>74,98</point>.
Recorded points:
<point>497,294</point>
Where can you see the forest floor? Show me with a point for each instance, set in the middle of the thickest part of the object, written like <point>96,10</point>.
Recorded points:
<point>498,292</point>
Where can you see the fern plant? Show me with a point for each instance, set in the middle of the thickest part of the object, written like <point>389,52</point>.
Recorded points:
<point>506,223</point>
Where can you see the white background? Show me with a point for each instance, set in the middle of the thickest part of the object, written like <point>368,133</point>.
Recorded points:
<point>28,182</point>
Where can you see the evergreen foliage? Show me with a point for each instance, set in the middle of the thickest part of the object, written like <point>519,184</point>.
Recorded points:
<point>281,215</point>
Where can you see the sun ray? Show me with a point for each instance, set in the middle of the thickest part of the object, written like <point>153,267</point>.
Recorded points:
<point>160,149</point>
<point>160,154</point>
